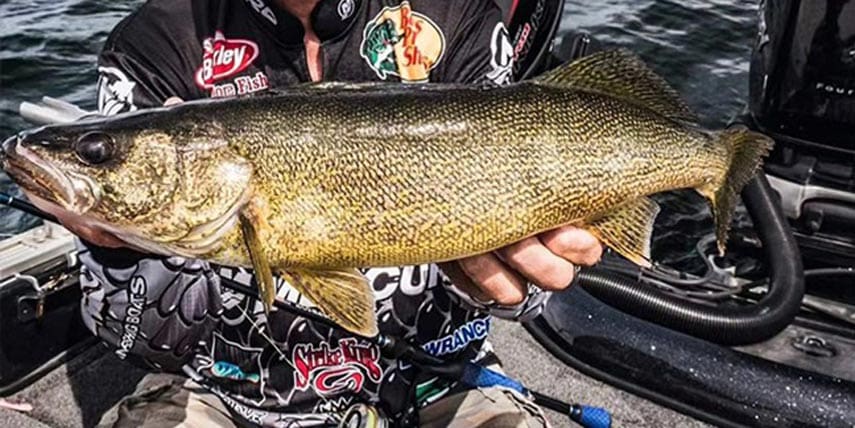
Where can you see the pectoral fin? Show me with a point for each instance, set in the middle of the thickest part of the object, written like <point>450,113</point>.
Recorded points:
<point>260,264</point>
<point>628,229</point>
<point>343,295</point>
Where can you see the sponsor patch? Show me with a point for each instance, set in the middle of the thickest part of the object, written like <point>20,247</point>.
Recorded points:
<point>476,329</point>
<point>408,280</point>
<point>263,9</point>
<point>345,9</point>
<point>525,35</point>
<point>227,370</point>
<point>242,85</point>
<point>223,58</point>
<point>334,405</point>
<point>400,42</point>
<point>133,316</point>
<point>329,370</point>
<point>501,56</point>
<point>115,91</point>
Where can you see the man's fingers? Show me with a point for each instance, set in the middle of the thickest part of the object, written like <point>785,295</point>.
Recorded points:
<point>495,279</point>
<point>537,263</point>
<point>172,101</point>
<point>574,244</point>
<point>462,281</point>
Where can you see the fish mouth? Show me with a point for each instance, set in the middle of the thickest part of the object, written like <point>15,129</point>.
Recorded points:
<point>73,192</point>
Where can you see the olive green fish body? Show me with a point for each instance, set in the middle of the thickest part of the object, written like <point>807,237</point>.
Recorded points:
<point>317,181</point>
<point>368,178</point>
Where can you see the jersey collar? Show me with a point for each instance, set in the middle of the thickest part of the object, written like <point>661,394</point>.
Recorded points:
<point>330,19</point>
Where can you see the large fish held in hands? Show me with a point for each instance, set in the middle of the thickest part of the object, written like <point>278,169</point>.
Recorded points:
<point>314,182</point>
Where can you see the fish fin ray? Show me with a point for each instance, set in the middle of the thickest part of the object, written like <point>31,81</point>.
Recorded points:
<point>345,296</point>
<point>746,151</point>
<point>622,74</point>
<point>628,229</point>
<point>260,264</point>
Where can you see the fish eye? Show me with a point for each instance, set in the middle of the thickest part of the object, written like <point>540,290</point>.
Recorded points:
<point>94,148</point>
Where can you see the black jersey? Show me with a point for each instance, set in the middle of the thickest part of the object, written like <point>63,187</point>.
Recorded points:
<point>213,48</point>
<point>285,370</point>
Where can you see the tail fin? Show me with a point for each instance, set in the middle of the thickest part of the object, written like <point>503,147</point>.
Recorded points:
<point>745,149</point>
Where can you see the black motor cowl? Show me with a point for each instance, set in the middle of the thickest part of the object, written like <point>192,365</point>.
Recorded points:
<point>802,80</point>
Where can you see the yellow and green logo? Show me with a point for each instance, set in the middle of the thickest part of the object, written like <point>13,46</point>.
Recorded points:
<point>402,43</point>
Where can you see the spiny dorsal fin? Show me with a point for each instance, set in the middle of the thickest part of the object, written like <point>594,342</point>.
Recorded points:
<point>628,229</point>
<point>343,295</point>
<point>621,74</point>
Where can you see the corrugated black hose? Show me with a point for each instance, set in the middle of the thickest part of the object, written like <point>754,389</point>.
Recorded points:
<point>726,325</point>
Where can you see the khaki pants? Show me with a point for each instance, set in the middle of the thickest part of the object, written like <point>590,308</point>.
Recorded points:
<point>163,400</point>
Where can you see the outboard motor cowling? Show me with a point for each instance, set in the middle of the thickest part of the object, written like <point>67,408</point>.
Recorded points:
<point>803,70</point>
<point>802,93</point>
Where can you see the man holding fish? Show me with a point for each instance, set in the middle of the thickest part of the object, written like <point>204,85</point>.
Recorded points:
<point>278,369</point>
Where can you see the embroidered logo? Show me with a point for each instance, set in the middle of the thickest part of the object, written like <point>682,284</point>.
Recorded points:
<point>330,370</point>
<point>501,56</point>
<point>345,9</point>
<point>476,329</point>
<point>223,58</point>
<point>115,91</point>
<point>402,43</point>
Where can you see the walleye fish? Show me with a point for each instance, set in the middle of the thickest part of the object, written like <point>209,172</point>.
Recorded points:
<point>317,181</point>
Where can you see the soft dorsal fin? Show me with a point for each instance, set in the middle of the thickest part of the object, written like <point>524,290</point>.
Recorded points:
<point>621,74</point>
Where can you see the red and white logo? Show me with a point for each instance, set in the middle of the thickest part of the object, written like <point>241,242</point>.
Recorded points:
<point>223,58</point>
<point>330,370</point>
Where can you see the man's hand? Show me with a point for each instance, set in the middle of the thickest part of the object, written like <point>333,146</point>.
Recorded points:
<point>548,261</point>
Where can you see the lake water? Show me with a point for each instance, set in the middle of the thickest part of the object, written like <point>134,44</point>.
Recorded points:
<point>49,47</point>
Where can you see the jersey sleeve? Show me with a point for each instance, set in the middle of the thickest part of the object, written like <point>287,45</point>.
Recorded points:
<point>152,308</point>
<point>147,59</point>
<point>479,49</point>
<point>125,85</point>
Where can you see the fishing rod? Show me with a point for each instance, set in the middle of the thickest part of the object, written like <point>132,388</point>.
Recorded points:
<point>466,372</point>
<point>22,205</point>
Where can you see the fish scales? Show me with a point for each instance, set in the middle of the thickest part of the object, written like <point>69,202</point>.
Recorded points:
<point>434,174</point>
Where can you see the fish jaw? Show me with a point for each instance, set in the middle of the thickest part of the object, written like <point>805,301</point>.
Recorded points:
<point>71,191</point>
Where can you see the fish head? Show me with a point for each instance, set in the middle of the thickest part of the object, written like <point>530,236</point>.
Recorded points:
<point>164,186</point>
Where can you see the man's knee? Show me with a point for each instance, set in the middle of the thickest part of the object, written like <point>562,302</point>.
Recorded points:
<point>163,400</point>
<point>485,407</point>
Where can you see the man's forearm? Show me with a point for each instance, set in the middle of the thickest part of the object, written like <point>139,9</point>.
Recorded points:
<point>155,308</point>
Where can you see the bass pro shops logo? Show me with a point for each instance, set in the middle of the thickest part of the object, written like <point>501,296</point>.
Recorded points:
<point>330,370</point>
<point>403,43</point>
<point>223,58</point>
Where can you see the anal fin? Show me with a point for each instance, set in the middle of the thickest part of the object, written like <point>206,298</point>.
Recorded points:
<point>627,229</point>
<point>343,295</point>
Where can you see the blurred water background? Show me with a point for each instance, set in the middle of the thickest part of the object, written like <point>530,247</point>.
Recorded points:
<point>702,47</point>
